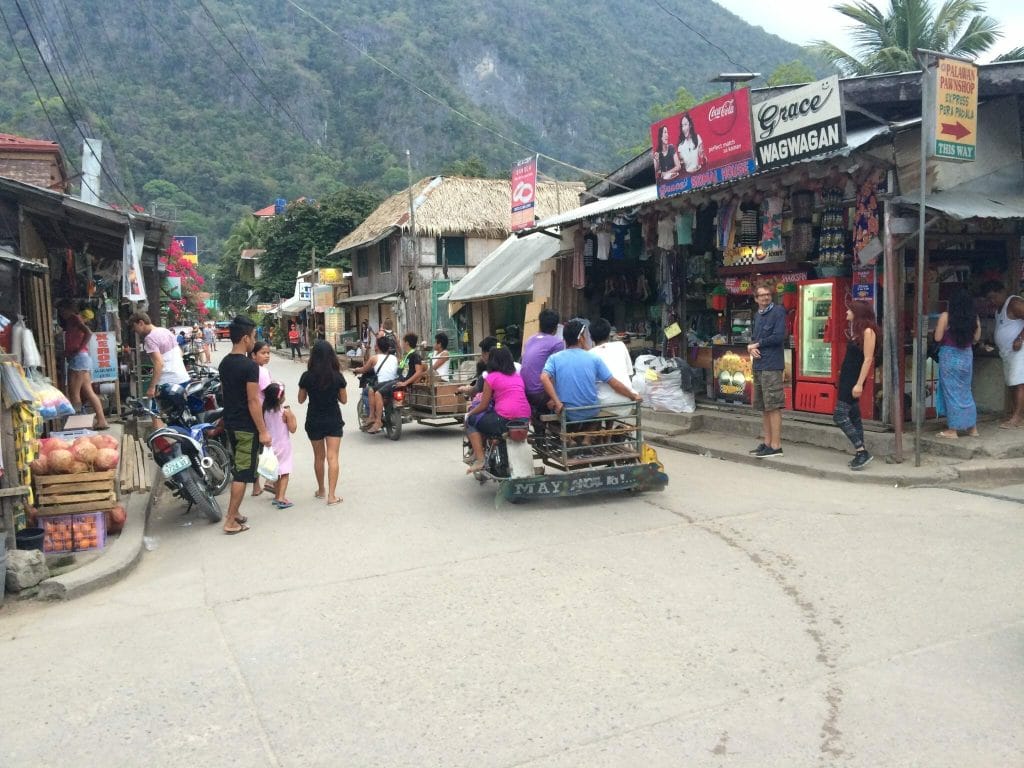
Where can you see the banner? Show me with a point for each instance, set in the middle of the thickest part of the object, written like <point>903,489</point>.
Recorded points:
<point>801,123</point>
<point>103,352</point>
<point>524,193</point>
<point>708,144</point>
<point>951,111</point>
<point>323,297</point>
<point>170,287</point>
<point>131,269</point>
<point>189,246</point>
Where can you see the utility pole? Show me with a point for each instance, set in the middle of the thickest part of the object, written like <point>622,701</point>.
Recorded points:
<point>415,238</point>
<point>312,297</point>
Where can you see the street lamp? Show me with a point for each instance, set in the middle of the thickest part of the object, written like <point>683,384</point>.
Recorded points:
<point>734,77</point>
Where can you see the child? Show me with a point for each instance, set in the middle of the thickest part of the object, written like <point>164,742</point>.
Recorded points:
<point>281,424</point>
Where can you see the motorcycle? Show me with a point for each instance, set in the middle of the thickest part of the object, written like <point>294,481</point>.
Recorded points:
<point>183,462</point>
<point>391,416</point>
<point>206,428</point>
<point>506,455</point>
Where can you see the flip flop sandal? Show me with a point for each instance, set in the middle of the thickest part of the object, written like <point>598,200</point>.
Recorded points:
<point>284,504</point>
<point>242,520</point>
<point>336,501</point>
<point>240,529</point>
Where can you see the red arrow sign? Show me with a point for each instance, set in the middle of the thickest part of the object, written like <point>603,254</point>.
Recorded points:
<point>957,130</point>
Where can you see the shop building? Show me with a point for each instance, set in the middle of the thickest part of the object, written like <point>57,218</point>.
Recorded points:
<point>409,252</point>
<point>845,218</point>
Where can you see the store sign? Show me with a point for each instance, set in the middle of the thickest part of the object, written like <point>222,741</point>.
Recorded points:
<point>524,193</point>
<point>103,352</point>
<point>799,124</point>
<point>264,308</point>
<point>189,247</point>
<point>330,276</point>
<point>863,288</point>
<point>323,297</point>
<point>708,144</point>
<point>953,110</point>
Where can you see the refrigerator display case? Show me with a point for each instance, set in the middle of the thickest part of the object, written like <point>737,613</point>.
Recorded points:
<point>821,346</point>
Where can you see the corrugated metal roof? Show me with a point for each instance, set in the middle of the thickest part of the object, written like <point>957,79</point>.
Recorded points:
<point>367,298</point>
<point>508,270</point>
<point>998,195</point>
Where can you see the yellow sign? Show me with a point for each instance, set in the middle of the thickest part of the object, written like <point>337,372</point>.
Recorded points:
<point>330,275</point>
<point>955,127</point>
<point>192,257</point>
<point>672,331</point>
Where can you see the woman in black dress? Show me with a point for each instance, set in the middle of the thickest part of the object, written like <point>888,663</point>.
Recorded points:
<point>323,385</point>
<point>861,341</point>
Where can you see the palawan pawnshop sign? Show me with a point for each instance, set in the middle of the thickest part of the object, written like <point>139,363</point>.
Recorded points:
<point>799,124</point>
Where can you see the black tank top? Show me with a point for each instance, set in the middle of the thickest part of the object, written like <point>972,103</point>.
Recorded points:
<point>850,371</point>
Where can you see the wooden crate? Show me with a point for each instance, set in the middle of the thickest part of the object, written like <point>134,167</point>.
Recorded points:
<point>68,494</point>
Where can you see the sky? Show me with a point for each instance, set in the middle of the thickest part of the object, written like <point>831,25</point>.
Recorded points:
<point>800,21</point>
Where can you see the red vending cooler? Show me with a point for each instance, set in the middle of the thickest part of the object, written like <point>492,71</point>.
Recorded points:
<point>821,345</point>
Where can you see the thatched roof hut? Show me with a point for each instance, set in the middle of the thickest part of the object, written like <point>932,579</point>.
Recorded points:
<point>452,205</point>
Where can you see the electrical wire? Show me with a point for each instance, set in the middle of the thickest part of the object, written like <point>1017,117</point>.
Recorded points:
<point>703,37</point>
<point>446,105</point>
<point>256,74</point>
<point>42,105</point>
<point>78,128</point>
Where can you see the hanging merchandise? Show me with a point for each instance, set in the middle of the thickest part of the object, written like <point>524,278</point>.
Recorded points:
<point>17,335</point>
<point>749,231</point>
<point>49,401</point>
<point>579,279</point>
<point>684,228</point>
<point>30,356</point>
<point>866,243</point>
<point>589,249</point>
<point>604,242</point>
<point>643,289</point>
<point>28,427</point>
<point>666,232</point>
<point>771,224</point>
<point>619,232</point>
<point>131,267</point>
<point>727,224</point>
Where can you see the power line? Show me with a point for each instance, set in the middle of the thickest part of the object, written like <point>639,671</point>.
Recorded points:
<point>60,95</point>
<point>445,104</point>
<point>42,104</point>
<point>701,35</point>
<point>256,74</point>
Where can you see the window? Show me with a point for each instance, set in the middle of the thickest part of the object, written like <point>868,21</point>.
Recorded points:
<point>384,256</point>
<point>452,248</point>
<point>362,264</point>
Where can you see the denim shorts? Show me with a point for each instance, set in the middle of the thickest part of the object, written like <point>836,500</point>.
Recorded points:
<point>80,361</point>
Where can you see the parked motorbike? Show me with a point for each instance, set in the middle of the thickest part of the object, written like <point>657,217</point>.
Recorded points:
<point>207,428</point>
<point>188,470</point>
<point>391,417</point>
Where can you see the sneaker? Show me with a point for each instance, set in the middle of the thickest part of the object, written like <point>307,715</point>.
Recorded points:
<point>861,460</point>
<point>755,451</point>
<point>767,452</point>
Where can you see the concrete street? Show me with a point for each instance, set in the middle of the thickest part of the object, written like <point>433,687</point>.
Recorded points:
<point>741,618</point>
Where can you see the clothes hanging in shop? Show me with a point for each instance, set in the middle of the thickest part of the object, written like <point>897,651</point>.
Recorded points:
<point>604,244</point>
<point>771,224</point>
<point>589,249</point>
<point>749,231</point>
<point>666,232</point>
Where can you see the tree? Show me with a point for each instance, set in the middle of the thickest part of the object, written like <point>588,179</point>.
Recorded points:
<point>305,225</point>
<point>232,285</point>
<point>190,307</point>
<point>886,42</point>
<point>793,73</point>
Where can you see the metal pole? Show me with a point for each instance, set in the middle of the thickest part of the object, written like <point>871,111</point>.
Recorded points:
<point>312,299</point>
<point>412,232</point>
<point>919,345</point>
<point>892,348</point>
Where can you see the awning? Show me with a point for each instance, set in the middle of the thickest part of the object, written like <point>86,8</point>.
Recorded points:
<point>370,298</point>
<point>507,271</point>
<point>598,207</point>
<point>998,195</point>
<point>6,254</point>
<point>293,306</point>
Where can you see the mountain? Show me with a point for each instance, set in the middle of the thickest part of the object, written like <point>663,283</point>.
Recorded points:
<point>210,108</point>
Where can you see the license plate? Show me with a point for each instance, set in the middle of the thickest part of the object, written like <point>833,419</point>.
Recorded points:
<point>174,466</point>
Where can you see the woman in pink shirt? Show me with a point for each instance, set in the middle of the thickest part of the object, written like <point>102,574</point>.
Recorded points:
<point>505,387</point>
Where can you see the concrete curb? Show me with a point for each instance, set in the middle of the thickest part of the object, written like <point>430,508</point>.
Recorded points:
<point>930,476</point>
<point>117,561</point>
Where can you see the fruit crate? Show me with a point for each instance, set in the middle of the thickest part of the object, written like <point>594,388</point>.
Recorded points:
<point>74,533</point>
<point>70,494</point>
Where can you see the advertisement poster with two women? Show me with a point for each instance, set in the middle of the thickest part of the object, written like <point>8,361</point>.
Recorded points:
<point>708,144</point>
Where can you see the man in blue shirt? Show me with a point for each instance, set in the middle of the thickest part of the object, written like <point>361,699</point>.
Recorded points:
<point>570,377</point>
<point>766,344</point>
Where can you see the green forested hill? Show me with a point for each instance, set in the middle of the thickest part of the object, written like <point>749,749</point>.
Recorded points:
<point>208,108</point>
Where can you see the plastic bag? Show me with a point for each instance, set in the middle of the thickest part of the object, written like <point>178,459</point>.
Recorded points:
<point>30,356</point>
<point>49,401</point>
<point>267,467</point>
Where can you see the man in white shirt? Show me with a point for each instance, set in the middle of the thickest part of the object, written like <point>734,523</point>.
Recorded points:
<point>163,349</point>
<point>616,356</point>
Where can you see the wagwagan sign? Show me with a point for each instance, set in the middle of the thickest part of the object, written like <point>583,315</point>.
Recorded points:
<point>801,123</point>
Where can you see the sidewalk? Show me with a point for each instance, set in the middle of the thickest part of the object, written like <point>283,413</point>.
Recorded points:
<point>815,448</point>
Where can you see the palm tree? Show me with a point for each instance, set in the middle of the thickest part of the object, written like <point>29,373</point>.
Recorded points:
<point>886,42</point>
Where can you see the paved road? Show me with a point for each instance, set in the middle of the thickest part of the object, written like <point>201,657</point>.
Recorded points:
<point>741,618</point>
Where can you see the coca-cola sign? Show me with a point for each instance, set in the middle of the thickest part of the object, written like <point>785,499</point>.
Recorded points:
<point>801,123</point>
<point>709,144</point>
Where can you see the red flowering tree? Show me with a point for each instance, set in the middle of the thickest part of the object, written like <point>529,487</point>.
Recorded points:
<point>190,307</point>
